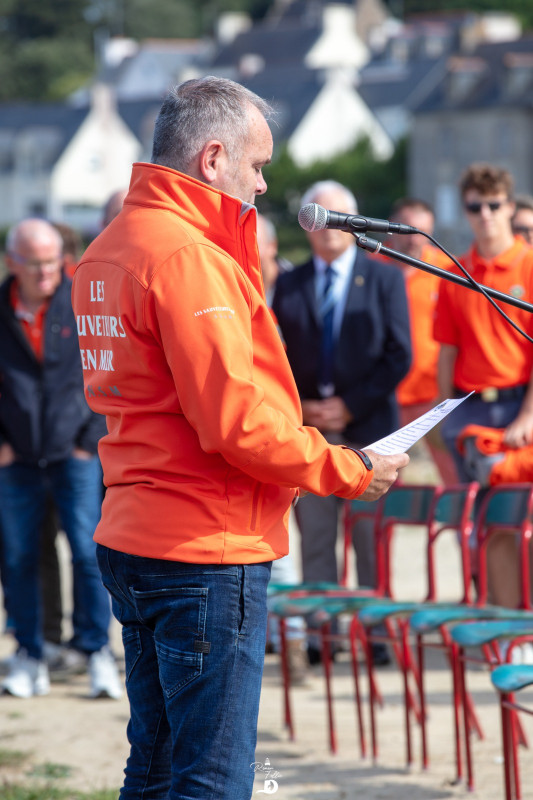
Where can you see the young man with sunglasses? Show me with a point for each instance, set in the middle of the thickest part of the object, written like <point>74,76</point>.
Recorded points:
<point>480,350</point>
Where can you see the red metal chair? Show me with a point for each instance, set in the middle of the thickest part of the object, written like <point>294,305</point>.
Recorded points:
<point>509,679</point>
<point>451,510</point>
<point>403,504</point>
<point>505,509</point>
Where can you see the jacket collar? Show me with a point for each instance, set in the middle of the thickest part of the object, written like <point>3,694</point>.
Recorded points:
<point>221,218</point>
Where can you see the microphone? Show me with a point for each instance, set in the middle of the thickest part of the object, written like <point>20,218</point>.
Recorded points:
<point>313,217</point>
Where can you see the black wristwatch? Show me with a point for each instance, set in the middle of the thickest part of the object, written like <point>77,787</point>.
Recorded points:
<point>364,458</point>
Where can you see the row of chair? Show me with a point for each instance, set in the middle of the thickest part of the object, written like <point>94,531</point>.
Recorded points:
<point>505,509</point>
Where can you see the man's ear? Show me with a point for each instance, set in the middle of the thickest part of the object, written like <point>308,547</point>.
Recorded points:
<point>11,264</point>
<point>212,158</point>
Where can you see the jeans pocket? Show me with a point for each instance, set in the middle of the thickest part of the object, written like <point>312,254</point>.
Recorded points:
<point>177,668</point>
<point>131,640</point>
<point>177,616</point>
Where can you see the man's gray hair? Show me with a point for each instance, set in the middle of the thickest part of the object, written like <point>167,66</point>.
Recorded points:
<point>199,110</point>
<point>320,187</point>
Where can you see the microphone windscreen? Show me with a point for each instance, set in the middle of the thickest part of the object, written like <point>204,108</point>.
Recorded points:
<point>312,217</point>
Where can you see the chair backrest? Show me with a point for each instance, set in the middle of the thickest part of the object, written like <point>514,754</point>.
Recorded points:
<point>507,508</point>
<point>402,505</point>
<point>437,509</point>
<point>453,509</point>
<point>352,511</point>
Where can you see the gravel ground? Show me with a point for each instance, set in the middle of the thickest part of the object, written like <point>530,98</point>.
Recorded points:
<point>73,742</point>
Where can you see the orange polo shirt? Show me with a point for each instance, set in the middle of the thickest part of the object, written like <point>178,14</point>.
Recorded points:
<point>490,352</point>
<point>31,324</point>
<point>420,383</point>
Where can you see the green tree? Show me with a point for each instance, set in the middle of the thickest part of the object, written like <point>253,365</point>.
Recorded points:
<point>523,9</point>
<point>34,19</point>
<point>44,69</point>
<point>376,184</point>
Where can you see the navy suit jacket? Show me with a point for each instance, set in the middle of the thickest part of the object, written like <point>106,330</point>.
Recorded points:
<point>373,351</point>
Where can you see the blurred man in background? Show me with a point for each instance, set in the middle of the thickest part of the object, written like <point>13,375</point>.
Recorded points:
<point>345,322</point>
<point>418,391</point>
<point>48,446</point>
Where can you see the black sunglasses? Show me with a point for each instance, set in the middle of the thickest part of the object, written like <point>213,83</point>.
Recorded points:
<point>475,208</point>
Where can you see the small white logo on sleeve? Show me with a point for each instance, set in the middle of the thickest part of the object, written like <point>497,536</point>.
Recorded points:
<point>219,312</point>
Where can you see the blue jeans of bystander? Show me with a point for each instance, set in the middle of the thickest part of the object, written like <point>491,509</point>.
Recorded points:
<point>194,643</point>
<point>76,487</point>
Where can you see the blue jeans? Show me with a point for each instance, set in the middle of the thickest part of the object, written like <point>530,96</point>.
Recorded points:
<point>194,644</point>
<point>75,485</point>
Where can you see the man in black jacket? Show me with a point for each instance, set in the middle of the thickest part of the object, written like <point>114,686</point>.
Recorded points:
<point>344,319</point>
<point>48,446</point>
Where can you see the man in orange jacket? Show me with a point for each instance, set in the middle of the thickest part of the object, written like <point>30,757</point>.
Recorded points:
<point>418,391</point>
<point>206,450</point>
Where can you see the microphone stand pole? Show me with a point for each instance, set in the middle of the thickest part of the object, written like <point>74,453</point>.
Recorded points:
<point>374,246</point>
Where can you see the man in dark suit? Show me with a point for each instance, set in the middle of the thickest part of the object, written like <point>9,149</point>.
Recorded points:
<point>345,322</point>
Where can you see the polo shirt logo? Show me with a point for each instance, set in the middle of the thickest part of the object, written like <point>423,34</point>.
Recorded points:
<point>517,291</point>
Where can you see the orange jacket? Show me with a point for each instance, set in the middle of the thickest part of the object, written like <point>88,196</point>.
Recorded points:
<point>516,466</point>
<point>180,352</point>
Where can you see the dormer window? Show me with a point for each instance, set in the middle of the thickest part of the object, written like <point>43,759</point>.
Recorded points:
<point>464,74</point>
<point>518,73</point>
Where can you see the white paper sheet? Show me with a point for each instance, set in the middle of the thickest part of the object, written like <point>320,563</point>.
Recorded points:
<point>401,440</point>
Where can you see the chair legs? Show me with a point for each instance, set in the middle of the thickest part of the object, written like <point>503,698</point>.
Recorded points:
<point>356,633</point>
<point>325,634</point>
<point>286,678</point>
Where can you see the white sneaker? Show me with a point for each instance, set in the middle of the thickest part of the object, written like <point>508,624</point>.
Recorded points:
<point>103,674</point>
<point>63,661</point>
<point>27,676</point>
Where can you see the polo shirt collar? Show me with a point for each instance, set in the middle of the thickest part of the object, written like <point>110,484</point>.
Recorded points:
<point>503,261</point>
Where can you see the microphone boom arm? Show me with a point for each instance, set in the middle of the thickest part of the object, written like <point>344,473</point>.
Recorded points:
<point>375,246</point>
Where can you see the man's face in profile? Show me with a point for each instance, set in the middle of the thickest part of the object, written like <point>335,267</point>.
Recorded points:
<point>243,177</point>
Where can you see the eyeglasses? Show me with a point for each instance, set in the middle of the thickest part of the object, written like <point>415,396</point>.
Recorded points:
<point>35,264</point>
<point>523,230</point>
<point>475,208</point>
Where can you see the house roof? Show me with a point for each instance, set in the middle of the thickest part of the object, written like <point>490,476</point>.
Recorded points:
<point>139,115</point>
<point>275,45</point>
<point>291,94</point>
<point>398,84</point>
<point>497,74</point>
<point>57,123</point>
<point>155,66</point>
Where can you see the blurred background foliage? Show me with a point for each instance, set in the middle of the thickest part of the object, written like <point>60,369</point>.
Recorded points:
<point>48,47</point>
<point>375,184</point>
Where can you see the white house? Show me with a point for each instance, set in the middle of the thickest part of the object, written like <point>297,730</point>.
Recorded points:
<point>63,162</point>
